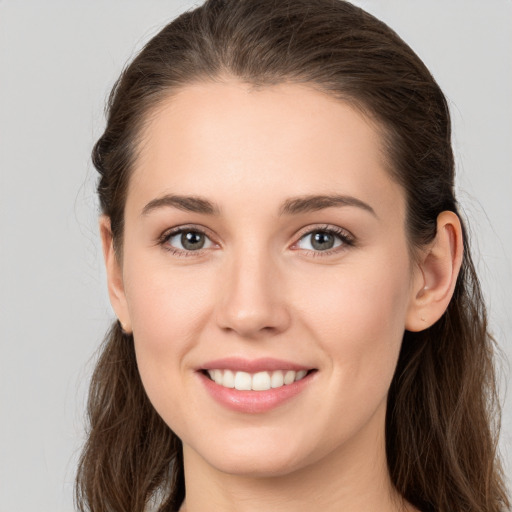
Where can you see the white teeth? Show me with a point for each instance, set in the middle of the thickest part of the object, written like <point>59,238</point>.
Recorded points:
<point>228,379</point>
<point>261,381</point>
<point>217,376</point>
<point>300,374</point>
<point>289,377</point>
<point>243,381</point>
<point>277,379</point>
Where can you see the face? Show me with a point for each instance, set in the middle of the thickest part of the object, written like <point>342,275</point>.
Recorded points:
<point>265,249</point>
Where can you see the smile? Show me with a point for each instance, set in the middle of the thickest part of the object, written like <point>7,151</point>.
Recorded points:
<point>255,385</point>
<point>260,381</point>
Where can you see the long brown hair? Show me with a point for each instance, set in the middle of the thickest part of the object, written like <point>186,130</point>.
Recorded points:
<point>442,416</point>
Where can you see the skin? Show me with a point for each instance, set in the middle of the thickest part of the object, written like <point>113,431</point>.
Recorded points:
<point>259,288</point>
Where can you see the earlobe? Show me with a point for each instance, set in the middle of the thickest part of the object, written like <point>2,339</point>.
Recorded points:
<point>437,274</point>
<point>114,275</point>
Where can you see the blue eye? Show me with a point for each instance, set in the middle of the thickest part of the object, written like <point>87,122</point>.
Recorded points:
<point>325,239</point>
<point>186,240</point>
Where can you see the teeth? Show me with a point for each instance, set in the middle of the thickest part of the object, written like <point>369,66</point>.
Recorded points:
<point>277,379</point>
<point>226,378</point>
<point>217,376</point>
<point>243,381</point>
<point>300,374</point>
<point>289,377</point>
<point>261,381</point>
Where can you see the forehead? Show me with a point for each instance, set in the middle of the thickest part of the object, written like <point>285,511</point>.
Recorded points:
<point>228,139</point>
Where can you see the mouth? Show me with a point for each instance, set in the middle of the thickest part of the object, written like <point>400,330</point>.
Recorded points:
<point>259,381</point>
<point>255,385</point>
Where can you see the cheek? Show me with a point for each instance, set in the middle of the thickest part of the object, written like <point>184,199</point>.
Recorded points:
<point>167,311</point>
<point>360,321</point>
<point>166,308</point>
<point>373,294</point>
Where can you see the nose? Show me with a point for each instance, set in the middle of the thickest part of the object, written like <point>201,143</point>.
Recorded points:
<point>252,302</point>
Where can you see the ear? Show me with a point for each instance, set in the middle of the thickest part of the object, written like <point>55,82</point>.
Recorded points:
<point>436,275</point>
<point>114,275</point>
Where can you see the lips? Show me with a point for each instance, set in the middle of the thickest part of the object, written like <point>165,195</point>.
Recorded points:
<point>254,386</point>
<point>252,365</point>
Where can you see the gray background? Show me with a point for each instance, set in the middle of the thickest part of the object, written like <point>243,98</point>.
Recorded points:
<point>58,61</point>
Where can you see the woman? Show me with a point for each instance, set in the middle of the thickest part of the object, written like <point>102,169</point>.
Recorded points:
<point>300,322</point>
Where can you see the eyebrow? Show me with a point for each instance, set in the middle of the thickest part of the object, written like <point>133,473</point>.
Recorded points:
<point>185,203</point>
<point>291,206</point>
<point>313,203</point>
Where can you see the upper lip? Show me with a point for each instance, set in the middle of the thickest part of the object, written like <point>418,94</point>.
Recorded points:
<point>252,365</point>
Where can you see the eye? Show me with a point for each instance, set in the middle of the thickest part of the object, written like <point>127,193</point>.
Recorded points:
<point>186,240</point>
<point>325,239</point>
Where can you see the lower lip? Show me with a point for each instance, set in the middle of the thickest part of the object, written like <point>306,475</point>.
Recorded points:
<point>254,401</point>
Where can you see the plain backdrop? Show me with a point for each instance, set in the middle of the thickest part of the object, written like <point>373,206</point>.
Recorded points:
<point>58,61</point>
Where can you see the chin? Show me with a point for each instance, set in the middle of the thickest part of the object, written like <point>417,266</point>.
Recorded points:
<point>256,466</point>
<point>257,459</point>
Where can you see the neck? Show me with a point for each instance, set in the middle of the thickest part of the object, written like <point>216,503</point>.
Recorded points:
<point>354,478</point>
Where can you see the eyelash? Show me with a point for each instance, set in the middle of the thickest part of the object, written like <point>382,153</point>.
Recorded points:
<point>347,240</point>
<point>180,252</point>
